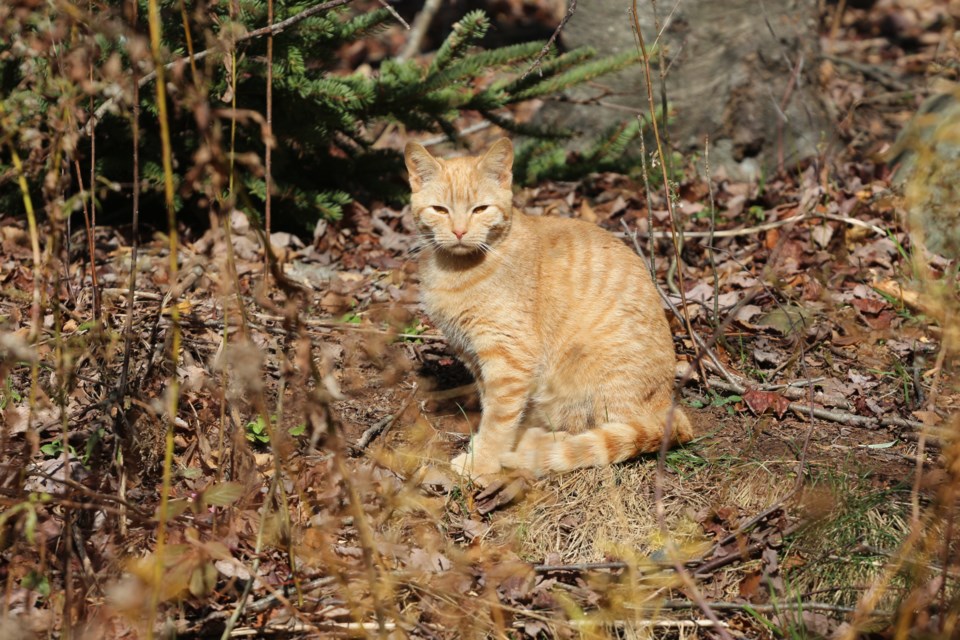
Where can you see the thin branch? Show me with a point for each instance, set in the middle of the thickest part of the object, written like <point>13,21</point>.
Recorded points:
<point>556,32</point>
<point>91,246</point>
<point>419,30</point>
<point>474,128</point>
<point>711,252</point>
<point>768,608</point>
<point>382,426</point>
<point>704,348</point>
<point>841,417</point>
<point>666,178</point>
<point>766,226</point>
<point>396,16</point>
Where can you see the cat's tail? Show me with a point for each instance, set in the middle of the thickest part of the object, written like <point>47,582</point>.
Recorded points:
<point>542,451</point>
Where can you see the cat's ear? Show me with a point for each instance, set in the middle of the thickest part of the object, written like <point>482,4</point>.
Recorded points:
<point>422,166</point>
<point>497,162</point>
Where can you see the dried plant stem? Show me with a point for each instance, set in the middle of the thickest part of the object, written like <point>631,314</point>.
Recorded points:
<point>645,58</point>
<point>258,548</point>
<point>226,211</point>
<point>173,390</point>
<point>366,539</point>
<point>90,225</point>
<point>268,151</point>
<point>92,219</point>
<point>37,303</point>
<point>132,289</point>
<point>189,40</point>
<point>711,254</point>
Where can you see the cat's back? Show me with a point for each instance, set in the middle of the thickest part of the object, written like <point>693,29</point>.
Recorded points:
<point>592,283</point>
<point>578,242</point>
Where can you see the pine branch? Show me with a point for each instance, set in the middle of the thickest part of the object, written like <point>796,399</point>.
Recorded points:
<point>466,32</point>
<point>274,29</point>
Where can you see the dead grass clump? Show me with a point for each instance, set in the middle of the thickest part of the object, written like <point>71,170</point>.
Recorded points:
<point>611,513</point>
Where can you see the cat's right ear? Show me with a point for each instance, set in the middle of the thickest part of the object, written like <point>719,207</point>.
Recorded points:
<point>422,166</point>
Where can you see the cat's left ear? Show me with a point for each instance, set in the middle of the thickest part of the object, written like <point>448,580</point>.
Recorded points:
<point>497,162</point>
<point>421,166</point>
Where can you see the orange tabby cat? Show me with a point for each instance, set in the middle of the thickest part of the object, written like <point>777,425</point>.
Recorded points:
<point>557,319</point>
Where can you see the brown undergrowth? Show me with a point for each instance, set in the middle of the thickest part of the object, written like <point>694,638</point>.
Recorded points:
<point>307,487</point>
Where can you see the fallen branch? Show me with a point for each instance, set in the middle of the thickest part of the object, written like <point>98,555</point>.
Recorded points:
<point>766,226</point>
<point>875,72</point>
<point>767,608</point>
<point>347,326</point>
<point>383,425</point>
<point>841,417</point>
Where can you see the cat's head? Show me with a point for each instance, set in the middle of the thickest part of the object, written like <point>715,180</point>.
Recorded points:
<point>462,205</point>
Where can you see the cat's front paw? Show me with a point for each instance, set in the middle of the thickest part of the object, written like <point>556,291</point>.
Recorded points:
<point>472,466</point>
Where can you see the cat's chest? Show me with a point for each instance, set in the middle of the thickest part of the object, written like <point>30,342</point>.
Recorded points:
<point>464,306</point>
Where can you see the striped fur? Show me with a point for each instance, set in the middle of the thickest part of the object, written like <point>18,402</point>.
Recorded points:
<point>557,319</point>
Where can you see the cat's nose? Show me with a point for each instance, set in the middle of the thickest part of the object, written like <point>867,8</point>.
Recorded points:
<point>459,234</point>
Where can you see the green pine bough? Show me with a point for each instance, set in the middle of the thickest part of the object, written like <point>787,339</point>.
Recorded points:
<point>326,119</point>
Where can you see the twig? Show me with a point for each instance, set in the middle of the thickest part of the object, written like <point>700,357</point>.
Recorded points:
<point>711,251</point>
<point>745,553</point>
<point>91,242</point>
<point>131,292</point>
<point>346,326</point>
<point>583,566</point>
<point>553,37</point>
<point>419,30</point>
<point>643,624</point>
<point>842,417</point>
<point>273,29</point>
<point>474,128</point>
<point>383,425</point>
<point>766,226</point>
<point>701,343</point>
<point>268,601</point>
<point>875,72</point>
<point>255,568</point>
<point>767,608</point>
<point>393,12</point>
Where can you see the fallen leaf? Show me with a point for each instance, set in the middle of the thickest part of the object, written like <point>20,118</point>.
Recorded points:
<point>760,401</point>
<point>749,587</point>
<point>428,561</point>
<point>787,319</point>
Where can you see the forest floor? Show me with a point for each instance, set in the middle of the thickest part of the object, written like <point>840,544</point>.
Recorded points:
<point>316,417</point>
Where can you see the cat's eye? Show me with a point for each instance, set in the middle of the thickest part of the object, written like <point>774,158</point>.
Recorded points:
<point>440,209</point>
<point>480,209</point>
